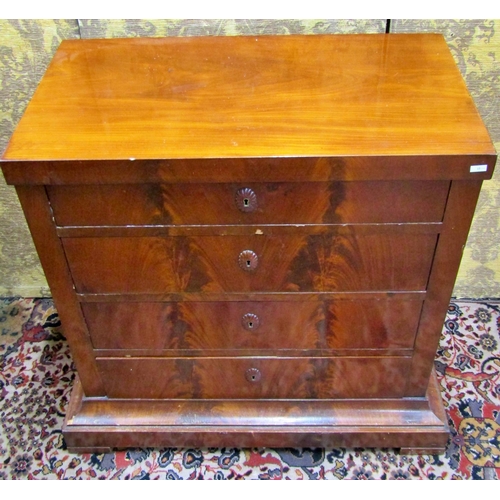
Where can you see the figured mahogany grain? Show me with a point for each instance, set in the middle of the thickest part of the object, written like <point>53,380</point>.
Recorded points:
<point>242,96</point>
<point>351,145</point>
<point>343,262</point>
<point>275,203</point>
<point>196,171</point>
<point>226,378</point>
<point>294,326</point>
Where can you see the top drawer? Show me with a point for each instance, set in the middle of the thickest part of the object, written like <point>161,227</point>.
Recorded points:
<point>263,203</point>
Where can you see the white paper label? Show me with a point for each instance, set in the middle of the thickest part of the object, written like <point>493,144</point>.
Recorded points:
<point>478,168</point>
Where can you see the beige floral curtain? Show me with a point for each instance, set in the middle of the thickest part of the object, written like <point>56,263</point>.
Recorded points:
<point>26,47</point>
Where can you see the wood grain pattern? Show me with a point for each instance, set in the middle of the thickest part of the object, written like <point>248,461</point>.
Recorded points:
<point>412,439</point>
<point>225,378</point>
<point>37,211</point>
<point>248,296</point>
<point>458,217</point>
<point>249,230</point>
<point>225,97</point>
<point>364,262</point>
<point>176,327</point>
<point>345,151</point>
<point>275,203</point>
<point>98,425</point>
<point>251,412</point>
<point>196,171</point>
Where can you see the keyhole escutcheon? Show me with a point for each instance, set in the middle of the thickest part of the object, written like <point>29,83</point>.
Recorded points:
<point>250,321</point>
<point>253,375</point>
<point>248,260</point>
<point>246,199</point>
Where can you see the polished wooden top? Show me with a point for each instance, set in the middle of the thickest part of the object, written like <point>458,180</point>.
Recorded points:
<point>259,96</point>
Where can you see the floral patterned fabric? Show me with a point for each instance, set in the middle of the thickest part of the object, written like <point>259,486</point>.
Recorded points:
<point>474,44</point>
<point>36,377</point>
<point>27,46</point>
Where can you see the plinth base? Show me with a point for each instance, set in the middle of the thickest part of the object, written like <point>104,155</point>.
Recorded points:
<point>415,425</point>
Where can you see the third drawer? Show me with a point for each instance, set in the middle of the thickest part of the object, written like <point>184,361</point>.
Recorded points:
<point>176,328</point>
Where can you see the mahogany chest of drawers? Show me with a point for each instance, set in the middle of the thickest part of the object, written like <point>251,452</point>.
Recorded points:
<point>252,241</point>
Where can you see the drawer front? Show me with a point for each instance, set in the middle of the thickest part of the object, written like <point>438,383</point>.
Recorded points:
<point>254,378</point>
<point>177,327</point>
<point>333,262</point>
<point>277,203</point>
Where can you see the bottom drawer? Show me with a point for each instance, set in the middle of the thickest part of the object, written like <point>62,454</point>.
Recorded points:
<point>254,378</point>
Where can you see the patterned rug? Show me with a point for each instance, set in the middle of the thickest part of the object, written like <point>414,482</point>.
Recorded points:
<point>36,375</point>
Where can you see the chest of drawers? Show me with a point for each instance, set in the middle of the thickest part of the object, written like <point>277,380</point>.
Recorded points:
<point>252,241</point>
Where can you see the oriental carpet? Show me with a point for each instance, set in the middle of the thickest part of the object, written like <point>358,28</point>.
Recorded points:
<point>36,376</point>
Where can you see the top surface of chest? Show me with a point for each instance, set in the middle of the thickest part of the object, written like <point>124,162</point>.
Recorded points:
<point>250,97</point>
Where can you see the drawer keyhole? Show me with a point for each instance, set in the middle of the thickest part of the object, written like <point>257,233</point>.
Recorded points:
<point>253,375</point>
<point>246,200</point>
<point>250,321</point>
<point>248,260</point>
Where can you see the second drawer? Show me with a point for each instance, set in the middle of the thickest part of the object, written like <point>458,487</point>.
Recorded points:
<point>345,261</point>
